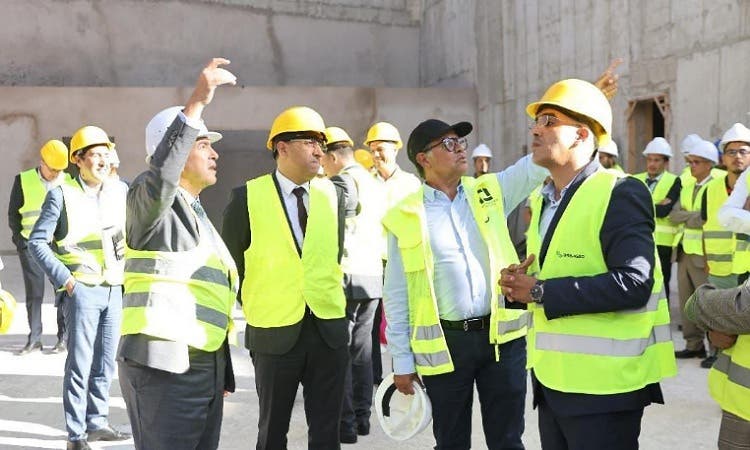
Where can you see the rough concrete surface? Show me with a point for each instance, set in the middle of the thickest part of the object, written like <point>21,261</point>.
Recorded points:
<point>31,414</point>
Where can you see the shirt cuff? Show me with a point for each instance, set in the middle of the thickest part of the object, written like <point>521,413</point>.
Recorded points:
<point>192,123</point>
<point>403,365</point>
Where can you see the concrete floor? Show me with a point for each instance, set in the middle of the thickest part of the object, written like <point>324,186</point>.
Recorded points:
<point>31,415</point>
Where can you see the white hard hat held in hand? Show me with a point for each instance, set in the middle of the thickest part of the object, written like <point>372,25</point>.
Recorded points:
<point>402,416</point>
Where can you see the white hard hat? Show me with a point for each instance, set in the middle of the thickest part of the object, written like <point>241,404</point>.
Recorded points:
<point>610,149</point>
<point>161,121</point>
<point>481,150</point>
<point>736,133</point>
<point>402,416</point>
<point>658,146</point>
<point>688,143</point>
<point>706,150</point>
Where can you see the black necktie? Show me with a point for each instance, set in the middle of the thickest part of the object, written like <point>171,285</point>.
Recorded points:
<point>301,210</point>
<point>650,182</point>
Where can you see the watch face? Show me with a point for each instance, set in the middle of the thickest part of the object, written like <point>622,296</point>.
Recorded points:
<point>536,293</point>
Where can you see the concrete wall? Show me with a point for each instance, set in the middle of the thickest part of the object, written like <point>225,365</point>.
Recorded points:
<point>31,115</point>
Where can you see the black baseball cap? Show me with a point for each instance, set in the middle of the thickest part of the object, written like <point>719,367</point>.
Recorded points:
<point>428,131</point>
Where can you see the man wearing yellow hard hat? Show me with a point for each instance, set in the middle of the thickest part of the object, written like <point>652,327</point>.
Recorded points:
<point>78,241</point>
<point>285,231</point>
<point>26,198</point>
<point>600,342</point>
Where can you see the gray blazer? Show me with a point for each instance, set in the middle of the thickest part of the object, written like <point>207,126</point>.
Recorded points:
<point>725,310</point>
<point>159,219</point>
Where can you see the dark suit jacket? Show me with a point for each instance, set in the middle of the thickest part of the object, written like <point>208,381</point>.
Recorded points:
<point>237,235</point>
<point>627,240</point>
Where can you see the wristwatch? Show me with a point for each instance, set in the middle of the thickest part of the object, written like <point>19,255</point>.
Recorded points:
<point>537,292</point>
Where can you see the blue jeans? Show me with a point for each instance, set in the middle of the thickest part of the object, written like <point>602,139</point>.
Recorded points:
<point>92,318</point>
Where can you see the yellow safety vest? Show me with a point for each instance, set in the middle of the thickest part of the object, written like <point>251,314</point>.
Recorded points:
<point>665,232</point>
<point>692,240</point>
<point>408,224</point>
<point>278,283</point>
<point>363,238</point>
<point>183,296</point>
<point>601,353</point>
<point>718,241</point>
<point>741,263</point>
<point>87,250</point>
<point>34,192</point>
<point>729,378</point>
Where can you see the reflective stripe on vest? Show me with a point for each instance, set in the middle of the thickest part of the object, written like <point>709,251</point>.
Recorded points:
<point>88,249</point>
<point>729,378</point>
<point>601,353</point>
<point>718,241</point>
<point>408,224</point>
<point>692,240</point>
<point>186,296</point>
<point>665,231</point>
<point>278,283</point>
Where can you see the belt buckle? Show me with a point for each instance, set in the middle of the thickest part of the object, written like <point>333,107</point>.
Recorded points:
<point>466,325</point>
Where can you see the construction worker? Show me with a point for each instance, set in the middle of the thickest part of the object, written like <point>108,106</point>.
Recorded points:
<point>482,158</point>
<point>363,278</point>
<point>180,284</point>
<point>447,325</point>
<point>593,298</point>
<point>291,294</point>
<point>78,241</point>
<point>725,315</point>
<point>665,191</point>
<point>734,215</point>
<point>608,155</point>
<point>26,198</point>
<point>384,142</point>
<point>691,264</point>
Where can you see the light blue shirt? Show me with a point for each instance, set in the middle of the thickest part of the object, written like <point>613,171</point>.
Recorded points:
<point>462,273</point>
<point>290,202</point>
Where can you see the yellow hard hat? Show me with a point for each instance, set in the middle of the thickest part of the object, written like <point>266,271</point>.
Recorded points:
<point>55,154</point>
<point>7,310</point>
<point>580,97</point>
<point>86,137</point>
<point>364,157</point>
<point>296,119</point>
<point>336,134</point>
<point>384,131</point>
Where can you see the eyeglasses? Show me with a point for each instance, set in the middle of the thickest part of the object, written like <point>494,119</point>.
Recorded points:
<point>451,144</point>
<point>309,143</point>
<point>547,120</point>
<point>742,152</point>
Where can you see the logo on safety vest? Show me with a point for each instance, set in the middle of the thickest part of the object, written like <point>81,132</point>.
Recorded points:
<point>485,198</point>
<point>560,254</point>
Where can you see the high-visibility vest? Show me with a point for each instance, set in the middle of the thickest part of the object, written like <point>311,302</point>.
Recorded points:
<point>601,353</point>
<point>363,237</point>
<point>408,224</point>
<point>665,232</point>
<point>181,296</point>
<point>34,192</point>
<point>278,282</point>
<point>397,187</point>
<point>88,249</point>
<point>692,239</point>
<point>729,378</point>
<point>718,241</point>
<point>741,262</point>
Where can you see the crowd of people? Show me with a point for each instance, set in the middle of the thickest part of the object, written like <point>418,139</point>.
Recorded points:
<point>336,241</point>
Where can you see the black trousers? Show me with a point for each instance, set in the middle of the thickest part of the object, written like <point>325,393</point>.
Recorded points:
<point>34,280</point>
<point>321,370</point>
<point>665,258</point>
<point>358,384</point>
<point>612,431</point>
<point>501,386</point>
<point>170,411</point>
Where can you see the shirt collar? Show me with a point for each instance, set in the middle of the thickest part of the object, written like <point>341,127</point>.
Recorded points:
<point>287,185</point>
<point>88,190</point>
<point>187,195</point>
<point>431,194</point>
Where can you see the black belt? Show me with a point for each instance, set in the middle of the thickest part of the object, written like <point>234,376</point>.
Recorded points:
<point>477,323</point>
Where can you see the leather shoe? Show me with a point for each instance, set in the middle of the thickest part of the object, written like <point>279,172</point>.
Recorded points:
<point>363,429</point>
<point>30,348</point>
<point>708,362</point>
<point>685,354</point>
<point>59,347</point>
<point>348,438</point>
<point>78,445</point>
<point>107,433</point>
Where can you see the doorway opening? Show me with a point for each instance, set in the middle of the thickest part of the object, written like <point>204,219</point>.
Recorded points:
<point>648,117</point>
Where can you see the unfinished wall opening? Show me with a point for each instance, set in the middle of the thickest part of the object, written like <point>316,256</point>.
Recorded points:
<point>648,117</point>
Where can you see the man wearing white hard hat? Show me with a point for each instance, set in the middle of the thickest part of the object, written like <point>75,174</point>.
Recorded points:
<point>180,284</point>
<point>608,155</point>
<point>701,156</point>
<point>734,215</point>
<point>665,191</point>
<point>482,157</point>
